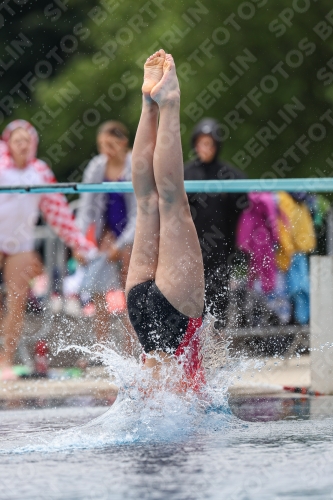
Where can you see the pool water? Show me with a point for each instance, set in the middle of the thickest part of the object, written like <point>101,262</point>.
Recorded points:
<point>160,444</point>
<point>274,448</point>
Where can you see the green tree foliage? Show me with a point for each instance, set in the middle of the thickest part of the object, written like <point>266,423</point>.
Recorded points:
<point>32,32</point>
<point>256,66</point>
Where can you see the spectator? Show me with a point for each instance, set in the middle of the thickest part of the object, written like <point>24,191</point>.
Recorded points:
<point>111,218</point>
<point>215,215</point>
<point>19,214</point>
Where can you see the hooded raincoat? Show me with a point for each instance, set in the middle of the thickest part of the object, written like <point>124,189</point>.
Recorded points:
<point>215,217</point>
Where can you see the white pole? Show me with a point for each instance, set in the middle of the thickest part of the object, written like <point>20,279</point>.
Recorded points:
<point>321,323</point>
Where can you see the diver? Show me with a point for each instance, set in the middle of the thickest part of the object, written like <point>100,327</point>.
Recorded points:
<point>165,282</point>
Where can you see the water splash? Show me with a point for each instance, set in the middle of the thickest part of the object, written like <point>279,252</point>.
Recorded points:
<point>148,410</point>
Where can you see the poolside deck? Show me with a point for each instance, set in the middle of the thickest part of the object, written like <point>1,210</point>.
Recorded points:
<point>273,376</point>
<point>95,383</point>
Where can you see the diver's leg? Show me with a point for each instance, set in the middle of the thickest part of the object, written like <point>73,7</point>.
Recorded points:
<point>144,255</point>
<point>179,273</point>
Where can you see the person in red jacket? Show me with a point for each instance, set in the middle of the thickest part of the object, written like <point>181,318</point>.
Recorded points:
<point>18,216</point>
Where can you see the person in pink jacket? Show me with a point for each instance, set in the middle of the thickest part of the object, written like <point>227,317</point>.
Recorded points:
<point>257,235</point>
<point>18,216</point>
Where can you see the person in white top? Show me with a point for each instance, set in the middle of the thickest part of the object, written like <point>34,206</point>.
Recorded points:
<point>18,216</point>
<point>110,219</point>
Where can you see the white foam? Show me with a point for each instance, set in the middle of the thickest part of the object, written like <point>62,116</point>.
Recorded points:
<point>147,410</point>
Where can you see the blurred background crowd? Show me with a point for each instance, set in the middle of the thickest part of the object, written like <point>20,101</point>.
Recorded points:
<point>257,98</point>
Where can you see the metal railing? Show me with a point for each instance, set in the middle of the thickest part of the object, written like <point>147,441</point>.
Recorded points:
<point>318,185</point>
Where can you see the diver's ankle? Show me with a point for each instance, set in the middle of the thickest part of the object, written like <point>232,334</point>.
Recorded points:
<point>149,104</point>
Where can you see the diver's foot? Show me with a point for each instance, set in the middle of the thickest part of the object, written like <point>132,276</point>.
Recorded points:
<point>153,72</point>
<point>167,90</point>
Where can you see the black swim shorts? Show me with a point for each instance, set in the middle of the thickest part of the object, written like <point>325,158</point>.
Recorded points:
<point>158,325</point>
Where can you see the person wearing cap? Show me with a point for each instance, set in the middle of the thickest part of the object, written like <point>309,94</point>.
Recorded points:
<point>109,219</point>
<point>215,215</point>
